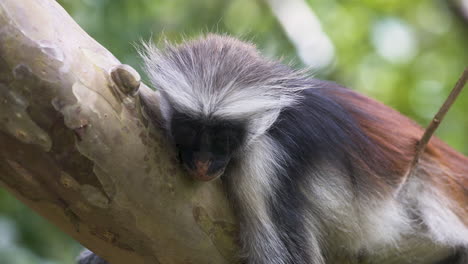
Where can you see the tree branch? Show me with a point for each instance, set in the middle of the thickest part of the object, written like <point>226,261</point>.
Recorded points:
<point>76,147</point>
<point>421,145</point>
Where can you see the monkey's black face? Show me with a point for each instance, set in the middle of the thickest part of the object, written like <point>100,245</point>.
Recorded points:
<point>205,146</point>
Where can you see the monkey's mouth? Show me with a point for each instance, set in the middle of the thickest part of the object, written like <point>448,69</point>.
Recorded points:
<point>205,171</point>
<point>203,166</point>
<point>206,176</point>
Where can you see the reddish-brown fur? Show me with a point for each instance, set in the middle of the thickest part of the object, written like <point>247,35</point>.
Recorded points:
<point>397,136</point>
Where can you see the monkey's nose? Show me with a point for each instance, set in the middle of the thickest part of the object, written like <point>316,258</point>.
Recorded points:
<point>202,156</point>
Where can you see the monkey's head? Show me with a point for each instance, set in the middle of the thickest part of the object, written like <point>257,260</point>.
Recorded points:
<point>218,94</point>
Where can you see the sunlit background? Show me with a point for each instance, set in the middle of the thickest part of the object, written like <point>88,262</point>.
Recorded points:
<point>407,54</point>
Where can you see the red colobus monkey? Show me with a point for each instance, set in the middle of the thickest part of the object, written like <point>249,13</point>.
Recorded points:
<point>313,170</point>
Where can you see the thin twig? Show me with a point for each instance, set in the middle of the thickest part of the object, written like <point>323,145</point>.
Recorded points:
<point>421,145</point>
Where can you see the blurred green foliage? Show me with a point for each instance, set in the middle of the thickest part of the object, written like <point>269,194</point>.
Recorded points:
<point>413,76</point>
<point>27,238</point>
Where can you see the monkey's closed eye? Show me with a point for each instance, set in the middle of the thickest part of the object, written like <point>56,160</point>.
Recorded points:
<point>227,139</point>
<point>184,133</point>
<point>186,130</point>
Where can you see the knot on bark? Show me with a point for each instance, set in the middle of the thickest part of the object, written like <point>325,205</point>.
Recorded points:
<point>126,78</point>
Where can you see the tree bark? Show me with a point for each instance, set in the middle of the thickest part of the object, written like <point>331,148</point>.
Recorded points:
<point>83,153</point>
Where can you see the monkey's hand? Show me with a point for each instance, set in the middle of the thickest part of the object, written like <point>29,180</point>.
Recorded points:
<point>88,257</point>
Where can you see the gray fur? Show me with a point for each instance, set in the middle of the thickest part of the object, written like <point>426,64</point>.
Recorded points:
<point>223,77</point>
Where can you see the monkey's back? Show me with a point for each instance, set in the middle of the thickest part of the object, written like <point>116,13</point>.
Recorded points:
<point>397,137</point>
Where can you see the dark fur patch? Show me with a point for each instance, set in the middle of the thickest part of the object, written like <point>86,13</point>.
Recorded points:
<point>318,129</point>
<point>217,138</point>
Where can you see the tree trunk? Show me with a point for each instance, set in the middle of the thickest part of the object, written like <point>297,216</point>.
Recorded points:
<point>81,151</point>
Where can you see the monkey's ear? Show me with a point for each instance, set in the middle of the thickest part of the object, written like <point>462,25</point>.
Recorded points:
<point>261,123</point>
